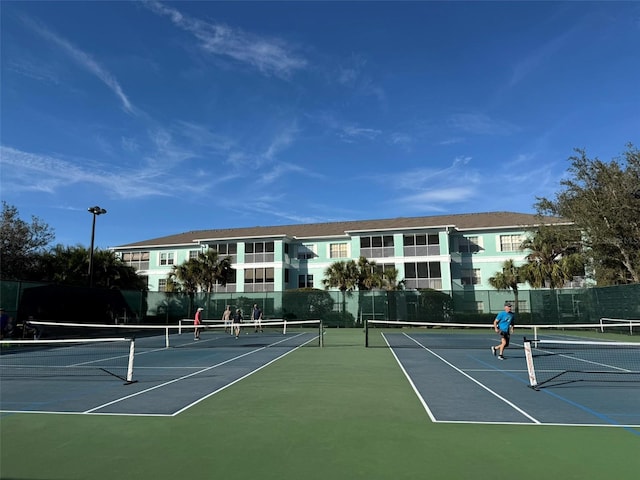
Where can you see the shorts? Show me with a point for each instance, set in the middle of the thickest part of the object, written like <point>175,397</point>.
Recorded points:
<point>506,336</point>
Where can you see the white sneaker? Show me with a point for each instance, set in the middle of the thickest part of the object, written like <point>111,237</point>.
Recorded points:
<point>500,357</point>
<point>494,351</point>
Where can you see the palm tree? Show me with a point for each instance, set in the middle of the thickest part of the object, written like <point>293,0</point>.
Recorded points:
<point>344,276</point>
<point>368,276</point>
<point>507,279</point>
<point>390,279</point>
<point>212,270</point>
<point>200,274</point>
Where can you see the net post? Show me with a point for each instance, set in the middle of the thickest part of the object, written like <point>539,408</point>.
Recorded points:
<point>132,353</point>
<point>166,337</point>
<point>284,329</point>
<point>533,382</point>
<point>366,333</point>
<point>180,327</point>
<point>321,334</point>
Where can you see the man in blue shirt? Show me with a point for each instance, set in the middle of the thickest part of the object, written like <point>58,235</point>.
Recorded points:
<point>503,325</point>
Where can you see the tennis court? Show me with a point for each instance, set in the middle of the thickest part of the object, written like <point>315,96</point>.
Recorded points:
<point>342,411</point>
<point>451,371</point>
<point>458,379</point>
<point>160,373</point>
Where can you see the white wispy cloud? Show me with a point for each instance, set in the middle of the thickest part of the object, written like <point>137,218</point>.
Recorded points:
<point>24,172</point>
<point>34,69</point>
<point>281,141</point>
<point>480,124</point>
<point>440,195</point>
<point>269,56</point>
<point>83,59</point>
<point>350,133</point>
<point>536,59</point>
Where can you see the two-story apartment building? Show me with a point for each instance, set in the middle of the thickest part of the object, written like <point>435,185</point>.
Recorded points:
<point>446,252</point>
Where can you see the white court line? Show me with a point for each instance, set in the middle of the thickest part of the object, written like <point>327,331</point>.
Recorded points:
<point>495,394</point>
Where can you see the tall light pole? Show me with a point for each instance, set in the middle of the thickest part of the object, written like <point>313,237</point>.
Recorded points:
<point>95,211</point>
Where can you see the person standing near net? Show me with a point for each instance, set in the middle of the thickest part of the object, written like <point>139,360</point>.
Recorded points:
<point>503,325</point>
<point>197,321</point>
<point>256,315</point>
<point>226,319</point>
<point>237,320</point>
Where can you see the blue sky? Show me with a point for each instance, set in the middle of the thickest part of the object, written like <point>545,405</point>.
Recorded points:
<point>180,116</point>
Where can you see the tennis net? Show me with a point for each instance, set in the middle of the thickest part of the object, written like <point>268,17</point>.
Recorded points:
<point>71,357</point>
<point>398,334</point>
<point>211,333</point>
<point>557,362</point>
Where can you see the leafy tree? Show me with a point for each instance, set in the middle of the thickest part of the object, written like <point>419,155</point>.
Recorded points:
<point>434,305</point>
<point>70,266</point>
<point>21,243</point>
<point>507,279</point>
<point>603,200</point>
<point>307,303</point>
<point>555,257</point>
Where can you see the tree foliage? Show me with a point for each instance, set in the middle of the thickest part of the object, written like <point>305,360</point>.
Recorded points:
<point>21,243</point>
<point>70,266</point>
<point>507,279</point>
<point>202,273</point>
<point>554,258</point>
<point>603,200</point>
<point>306,303</point>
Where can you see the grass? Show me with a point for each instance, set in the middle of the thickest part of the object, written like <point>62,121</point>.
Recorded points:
<point>342,412</point>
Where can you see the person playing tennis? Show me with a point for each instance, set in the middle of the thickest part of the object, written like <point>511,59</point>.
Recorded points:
<point>503,325</point>
<point>256,315</point>
<point>237,320</point>
<point>197,321</point>
<point>226,318</point>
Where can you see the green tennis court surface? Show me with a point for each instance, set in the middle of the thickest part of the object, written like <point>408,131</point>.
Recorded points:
<point>342,411</point>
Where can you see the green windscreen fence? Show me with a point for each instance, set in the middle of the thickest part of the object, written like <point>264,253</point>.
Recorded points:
<point>24,300</point>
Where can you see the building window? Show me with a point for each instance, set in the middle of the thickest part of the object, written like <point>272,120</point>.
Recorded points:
<point>378,246</point>
<point>230,287</point>
<point>470,276</point>
<point>338,250</point>
<point>510,243</point>
<point>166,258</point>
<point>380,268</point>
<point>305,281</point>
<point>193,254</point>
<point>137,260</point>
<point>306,251</point>
<point>469,244</point>
<point>162,285</point>
<point>259,252</point>
<point>259,280</point>
<point>421,245</point>
<point>226,250</point>
<point>423,275</point>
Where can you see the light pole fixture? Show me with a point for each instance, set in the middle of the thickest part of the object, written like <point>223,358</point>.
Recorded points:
<point>95,211</point>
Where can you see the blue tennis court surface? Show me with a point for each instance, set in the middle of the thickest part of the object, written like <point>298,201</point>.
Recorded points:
<point>464,383</point>
<point>166,380</point>
<point>467,383</point>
